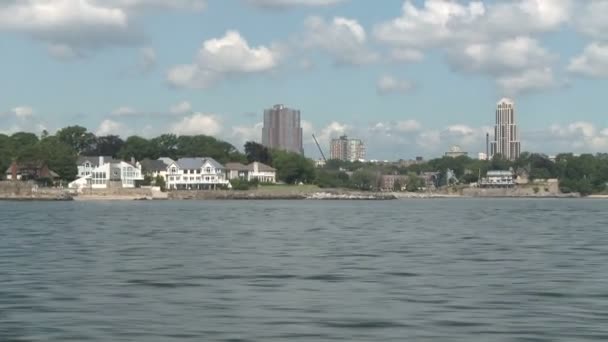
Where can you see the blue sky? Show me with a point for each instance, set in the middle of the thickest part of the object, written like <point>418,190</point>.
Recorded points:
<point>409,77</point>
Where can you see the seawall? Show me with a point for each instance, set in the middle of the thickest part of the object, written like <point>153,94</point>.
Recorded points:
<point>29,191</point>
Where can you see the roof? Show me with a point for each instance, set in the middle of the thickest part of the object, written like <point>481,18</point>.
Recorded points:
<point>237,167</point>
<point>262,167</point>
<point>197,163</point>
<point>166,160</point>
<point>214,163</point>
<point>153,165</point>
<point>240,167</point>
<point>94,160</point>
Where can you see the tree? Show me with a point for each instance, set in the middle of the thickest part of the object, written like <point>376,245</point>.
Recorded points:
<point>58,156</point>
<point>138,148</point>
<point>292,167</point>
<point>257,152</point>
<point>166,145</point>
<point>109,145</point>
<point>414,183</point>
<point>77,137</point>
<point>331,179</point>
<point>364,180</point>
<point>21,140</point>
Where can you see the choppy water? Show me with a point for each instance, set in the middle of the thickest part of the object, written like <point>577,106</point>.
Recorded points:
<point>415,270</point>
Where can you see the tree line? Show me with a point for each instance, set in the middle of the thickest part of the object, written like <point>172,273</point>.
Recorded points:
<point>584,173</point>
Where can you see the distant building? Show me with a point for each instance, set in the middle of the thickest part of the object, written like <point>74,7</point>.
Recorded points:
<point>254,171</point>
<point>498,179</point>
<point>346,149</point>
<point>104,172</point>
<point>196,174</point>
<point>506,139</point>
<point>30,171</point>
<point>455,152</point>
<point>482,156</point>
<point>282,129</point>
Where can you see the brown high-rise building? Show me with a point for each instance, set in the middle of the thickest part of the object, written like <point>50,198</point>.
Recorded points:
<point>346,149</point>
<point>282,129</point>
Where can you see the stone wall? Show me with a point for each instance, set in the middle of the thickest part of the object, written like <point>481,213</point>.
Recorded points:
<point>16,190</point>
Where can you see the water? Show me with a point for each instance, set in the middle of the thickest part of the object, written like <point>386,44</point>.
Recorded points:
<point>415,270</point>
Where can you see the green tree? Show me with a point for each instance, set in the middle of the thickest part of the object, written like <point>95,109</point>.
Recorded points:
<point>138,148</point>
<point>257,152</point>
<point>293,168</point>
<point>109,145</point>
<point>414,183</point>
<point>364,180</point>
<point>78,138</point>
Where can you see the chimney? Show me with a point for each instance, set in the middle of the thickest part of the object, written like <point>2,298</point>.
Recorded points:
<point>256,167</point>
<point>101,161</point>
<point>133,160</point>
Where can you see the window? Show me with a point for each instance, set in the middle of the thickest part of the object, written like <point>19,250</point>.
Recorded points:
<point>208,170</point>
<point>198,171</point>
<point>173,170</point>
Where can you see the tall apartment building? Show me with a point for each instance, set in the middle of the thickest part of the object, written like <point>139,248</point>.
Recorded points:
<point>347,149</point>
<point>282,129</point>
<point>506,139</point>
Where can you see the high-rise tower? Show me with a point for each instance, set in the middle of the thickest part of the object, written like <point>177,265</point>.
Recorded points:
<point>282,129</point>
<point>506,139</point>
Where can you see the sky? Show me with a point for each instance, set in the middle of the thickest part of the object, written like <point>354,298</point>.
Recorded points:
<point>410,78</point>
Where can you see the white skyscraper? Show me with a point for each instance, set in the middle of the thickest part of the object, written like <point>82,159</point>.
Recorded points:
<point>506,138</point>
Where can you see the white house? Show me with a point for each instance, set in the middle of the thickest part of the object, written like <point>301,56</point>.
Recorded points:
<point>195,174</point>
<point>498,179</point>
<point>254,171</point>
<point>103,172</point>
<point>155,168</point>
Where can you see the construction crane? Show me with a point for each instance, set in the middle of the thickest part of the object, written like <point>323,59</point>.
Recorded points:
<point>319,147</point>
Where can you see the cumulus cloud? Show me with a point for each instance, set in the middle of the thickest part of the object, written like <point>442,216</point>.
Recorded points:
<point>292,3</point>
<point>388,84</point>
<point>493,39</point>
<point>73,28</point>
<point>344,39</point>
<point>593,62</point>
<point>405,55</point>
<point>198,123</point>
<point>579,136</point>
<point>183,107</point>
<point>219,58</point>
<point>147,59</point>
<point>23,112</point>
<point>242,134</point>
<point>593,19</point>
<point>111,127</point>
<point>124,111</point>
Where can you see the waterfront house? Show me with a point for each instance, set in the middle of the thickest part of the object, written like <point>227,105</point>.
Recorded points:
<point>30,171</point>
<point>196,174</point>
<point>498,179</point>
<point>254,171</point>
<point>155,168</point>
<point>104,172</point>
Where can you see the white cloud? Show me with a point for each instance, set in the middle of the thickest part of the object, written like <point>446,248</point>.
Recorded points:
<point>429,140</point>
<point>243,134</point>
<point>73,28</point>
<point>580,136</point>
<point>516,54</point>
<point>408,126</point>
<point>528,81</point>
<point>593,62</point>
<point>110,127</point>
<point>405,55</point>
<point>490,38</point>
<point>23,112</point>
<point>183,107</point>
<point>158,4</point>
<point>593,19</point>
<point>223,57</point>
<point>198,123</point>
<point>344,39</point>
<point>292,3</point>
<point>124,111</point>
<point>388,84</point>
